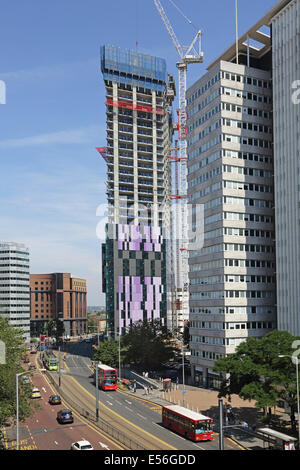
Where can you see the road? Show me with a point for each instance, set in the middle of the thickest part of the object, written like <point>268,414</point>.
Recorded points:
<point>141,422</point>
<point>43,432</point>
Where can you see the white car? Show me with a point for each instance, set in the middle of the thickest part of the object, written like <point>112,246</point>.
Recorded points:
<point>81,445</point>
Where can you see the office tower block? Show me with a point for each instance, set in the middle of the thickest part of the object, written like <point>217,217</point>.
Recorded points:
<point>137,251</point>
<point>14,285</point>
<point>286,106</point>
<point>230,173</point>
<point>58,296</point>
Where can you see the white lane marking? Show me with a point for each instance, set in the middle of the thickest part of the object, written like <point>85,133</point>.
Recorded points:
<point>109,403</point>
<point>103,445</point>
<point>117,401</point>
<point>128,408</point>
<point>199,447</point>
<point>129,402</point>
<point>141,416</point>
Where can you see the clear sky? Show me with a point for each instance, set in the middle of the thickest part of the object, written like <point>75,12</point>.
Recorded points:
<point>52,179</point>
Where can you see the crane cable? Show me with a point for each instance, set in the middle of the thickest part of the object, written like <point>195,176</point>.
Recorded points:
<point>181,12</point>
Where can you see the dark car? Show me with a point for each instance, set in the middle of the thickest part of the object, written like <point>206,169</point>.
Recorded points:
<point>26,360</point>
<point>32,367</point>
<point>65,416</point>
<point>54,400</point>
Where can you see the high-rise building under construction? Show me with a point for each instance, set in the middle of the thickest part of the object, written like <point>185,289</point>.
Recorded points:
<point>137,250</point>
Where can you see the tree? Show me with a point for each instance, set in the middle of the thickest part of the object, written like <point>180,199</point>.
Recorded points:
<point>255,371</point>
<point>54,328</point>
<point>13,339</point>
<point>108,353</point>
<point>148,345</point>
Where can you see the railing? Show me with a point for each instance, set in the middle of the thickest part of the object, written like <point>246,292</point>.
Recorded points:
<point>117,435</point>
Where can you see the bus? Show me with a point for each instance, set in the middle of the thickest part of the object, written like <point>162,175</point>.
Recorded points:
<point>50,360</point>
<point>107,377</point>
<point>190,424</point>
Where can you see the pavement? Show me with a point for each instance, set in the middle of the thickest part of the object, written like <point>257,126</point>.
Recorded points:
<point>207,402</point>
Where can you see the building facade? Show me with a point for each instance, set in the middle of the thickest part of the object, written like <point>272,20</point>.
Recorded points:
<point>286,106</point>
<point>231,173</point>
<point>14,285</point>
<point>136,274</point>
<point>58,296</point>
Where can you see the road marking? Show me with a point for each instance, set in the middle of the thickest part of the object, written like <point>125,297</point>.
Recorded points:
<point>141,416</point>
<point>124,419</point>
<point>103,445</point>
<point>129,402</point>
<point>109,403</point>
<point>128,408</point>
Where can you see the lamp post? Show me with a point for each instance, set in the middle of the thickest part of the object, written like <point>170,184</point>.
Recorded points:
<point>119,335</point>
<point>296,362</point>
<point>97,391</point>
<point>17,404</point>
<point>183,384</point>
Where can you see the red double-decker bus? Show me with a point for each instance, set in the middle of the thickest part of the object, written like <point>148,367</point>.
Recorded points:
<point>107,377</point>
<point>190,424</point>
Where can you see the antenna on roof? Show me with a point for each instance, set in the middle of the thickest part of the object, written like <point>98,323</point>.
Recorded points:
<point>236,33</point>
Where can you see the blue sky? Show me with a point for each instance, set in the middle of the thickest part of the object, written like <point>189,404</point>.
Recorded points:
<point>52,179</point>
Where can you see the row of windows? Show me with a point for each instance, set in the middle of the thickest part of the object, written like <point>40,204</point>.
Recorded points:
<point>247,171</point>
<point>206,161</point>
<point>235,124</point>
<point>15,252</point>
<point>238,263</point>
<point>246,95</point>
<point>247,80</point>
<point>250,126</point>
<point>204,88</point>
<point>209,355</point>
<point>232,278</point>
<point>227,294</point>
<point>261,310</point>
<point>236,139</point>
<point>205,176</point>
<point>226,184</point>
<point>248,217</point>
<point>238,216</point>
<point>248,187</point>
<point>204,103</point>
<point>205,117</point>
<point>248,202</point>
<point>243,232</point>
<point>247,110</point>
<point>229,76</point>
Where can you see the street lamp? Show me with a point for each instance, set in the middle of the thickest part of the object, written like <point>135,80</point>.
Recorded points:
<point>17,404</point>
<point>296,362</point>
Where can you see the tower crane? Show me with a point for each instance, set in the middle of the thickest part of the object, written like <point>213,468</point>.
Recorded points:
<point>187,55</point>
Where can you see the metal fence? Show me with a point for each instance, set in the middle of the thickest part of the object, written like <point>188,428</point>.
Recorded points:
<point>117,435</point>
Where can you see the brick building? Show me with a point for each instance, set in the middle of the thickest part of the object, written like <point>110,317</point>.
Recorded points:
<point>58,295</point>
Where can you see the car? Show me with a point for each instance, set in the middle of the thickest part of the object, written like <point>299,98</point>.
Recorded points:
<point>32,367</point>
<point>82,445</point>
<point>25,379</point>
<point>54,400</point>
<point>65,416</point>
<point>88,340</point>
<point>26,360</point>
<point>36,393</point>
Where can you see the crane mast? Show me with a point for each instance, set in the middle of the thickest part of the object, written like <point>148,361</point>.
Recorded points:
<point>187,55</point>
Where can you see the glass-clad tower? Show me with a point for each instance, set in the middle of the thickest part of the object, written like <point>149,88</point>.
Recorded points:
<point>136,275</point>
